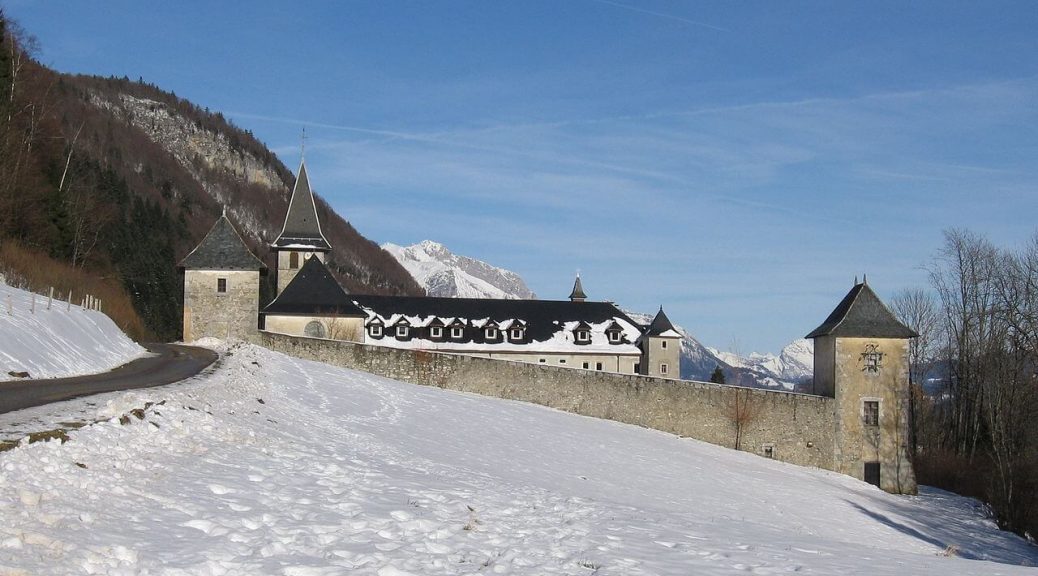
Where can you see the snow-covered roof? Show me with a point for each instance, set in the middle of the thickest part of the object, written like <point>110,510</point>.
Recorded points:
<point>547,325</point>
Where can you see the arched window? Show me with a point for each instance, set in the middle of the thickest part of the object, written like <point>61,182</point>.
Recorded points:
<point>314,329</point>
<point>293,260</point>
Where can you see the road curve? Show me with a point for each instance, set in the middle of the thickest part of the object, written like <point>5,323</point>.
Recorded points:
<point>171,363</point>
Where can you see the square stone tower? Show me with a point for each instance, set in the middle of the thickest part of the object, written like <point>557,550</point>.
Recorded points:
<point>861,360</point>
<point>221,286</point>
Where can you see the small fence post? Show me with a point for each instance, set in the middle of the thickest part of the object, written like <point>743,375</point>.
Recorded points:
<point>32,305</point>
<point>10,309</point>
<point>50,298</point>
<point>68,307</point>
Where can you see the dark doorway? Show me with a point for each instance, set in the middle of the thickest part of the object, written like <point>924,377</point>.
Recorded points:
<point>872,473</point>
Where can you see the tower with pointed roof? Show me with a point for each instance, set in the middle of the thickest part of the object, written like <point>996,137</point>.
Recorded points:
<point>861,361</point>
<point>221,286</point>
<point>301,236</point>
<point>661,348</point>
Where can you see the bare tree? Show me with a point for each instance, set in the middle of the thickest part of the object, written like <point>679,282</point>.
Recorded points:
<point>918,310</point>
<point>741,411</point>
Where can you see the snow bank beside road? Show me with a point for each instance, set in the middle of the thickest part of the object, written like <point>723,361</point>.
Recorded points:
<point>57,342</point>
<point>274,465</point>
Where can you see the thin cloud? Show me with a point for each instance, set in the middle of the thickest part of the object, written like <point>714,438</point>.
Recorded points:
<point>663,15</point>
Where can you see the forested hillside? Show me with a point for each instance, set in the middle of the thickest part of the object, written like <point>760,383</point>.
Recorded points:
<point>106,183</point>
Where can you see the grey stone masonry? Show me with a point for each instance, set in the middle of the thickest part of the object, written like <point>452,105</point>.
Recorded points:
<point>795,428</point>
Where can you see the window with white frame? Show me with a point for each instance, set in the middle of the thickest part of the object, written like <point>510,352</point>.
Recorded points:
<point>598,365</point>
<point>490,333</point>
<point>615,336</point>
<point>663,368</point>
<point>456,332</point>
<point>587,365</point>
<point>583,336</point>
<point>517,334</point>
<point>436,332</point>
<point>663,344</point>
<point>402,331</point>
<point>375,330</point>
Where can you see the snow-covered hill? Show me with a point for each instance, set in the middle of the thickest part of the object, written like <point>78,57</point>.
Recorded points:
<point>443,273</point>
<point>273,465</point>
<point>59,341</point>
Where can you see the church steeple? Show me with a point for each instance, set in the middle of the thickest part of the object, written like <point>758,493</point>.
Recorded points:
<point>577,295</point>
<point>302,229</point>
<point>301,237</point>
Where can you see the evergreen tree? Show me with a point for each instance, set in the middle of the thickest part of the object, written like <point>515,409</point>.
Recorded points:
<point>718,376</point>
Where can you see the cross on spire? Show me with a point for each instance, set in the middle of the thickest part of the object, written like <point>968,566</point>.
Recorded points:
<point>302,145</point>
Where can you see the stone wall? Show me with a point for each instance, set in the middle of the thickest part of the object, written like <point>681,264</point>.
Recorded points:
<point>797,428</point>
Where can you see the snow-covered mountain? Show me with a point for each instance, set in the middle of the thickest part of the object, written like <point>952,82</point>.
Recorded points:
<point>795,364</point>
<point>443,273</point>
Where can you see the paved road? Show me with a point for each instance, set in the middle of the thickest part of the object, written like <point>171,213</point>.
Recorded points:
<point>173,363</point>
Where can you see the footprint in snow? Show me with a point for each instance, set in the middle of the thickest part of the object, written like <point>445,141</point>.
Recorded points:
<point>220,490</point>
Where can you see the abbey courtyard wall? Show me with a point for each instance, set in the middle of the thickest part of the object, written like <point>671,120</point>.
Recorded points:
<point>795,428</point>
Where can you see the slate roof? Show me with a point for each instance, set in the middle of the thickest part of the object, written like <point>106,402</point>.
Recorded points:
<point>313,292</point>
<point>861,314</point>
<point>660,325</point>
<point>301,225</point>
<point>542,318</point>
<point>578,291</point>
<point>222,249</point>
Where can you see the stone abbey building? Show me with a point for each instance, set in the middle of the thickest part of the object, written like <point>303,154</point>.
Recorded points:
<point>577,355</point>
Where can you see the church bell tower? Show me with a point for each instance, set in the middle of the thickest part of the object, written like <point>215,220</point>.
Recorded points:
<point>301,236</point>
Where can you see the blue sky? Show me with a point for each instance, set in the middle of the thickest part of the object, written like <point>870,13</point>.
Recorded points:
<point>737,162</point>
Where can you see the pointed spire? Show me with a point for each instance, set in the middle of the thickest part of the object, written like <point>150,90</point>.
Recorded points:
<point>302,228</point>
<point>661,326</point>
<point>864,278</point>
<point>577,295</point>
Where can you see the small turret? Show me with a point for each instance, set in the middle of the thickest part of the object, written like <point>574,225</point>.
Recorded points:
<point>661,348</point>
<point>577,294</point>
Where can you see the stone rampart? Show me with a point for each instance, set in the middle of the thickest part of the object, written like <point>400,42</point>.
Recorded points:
<point>796,428</point>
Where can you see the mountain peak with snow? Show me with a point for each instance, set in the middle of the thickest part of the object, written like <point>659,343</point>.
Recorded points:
<point>445,274</point>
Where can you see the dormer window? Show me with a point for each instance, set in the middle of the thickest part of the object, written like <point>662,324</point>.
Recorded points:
<point>490,333</point>
<point>402,330</point>
<point>457,332</point>
<point>516,333</point>
<point>583,336</point>
<point>615,336</point>
<point>436,332</point>
<point>375,330</point>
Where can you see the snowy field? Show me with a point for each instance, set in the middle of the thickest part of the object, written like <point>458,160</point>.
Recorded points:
<point>61,341</point>
<point>271,465</point>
